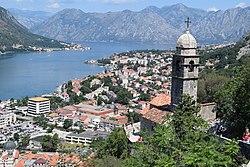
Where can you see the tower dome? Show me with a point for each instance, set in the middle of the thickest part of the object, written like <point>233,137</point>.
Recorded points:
<point>186,41</point>
<point>9,145</point>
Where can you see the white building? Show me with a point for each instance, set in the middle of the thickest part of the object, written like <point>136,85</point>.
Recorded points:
<point>38,106</point>
<point>7,118</point>
<point>86,137</point>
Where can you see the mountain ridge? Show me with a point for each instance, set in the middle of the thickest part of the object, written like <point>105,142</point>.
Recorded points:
<point>16,37</point>
<point>152,24</point>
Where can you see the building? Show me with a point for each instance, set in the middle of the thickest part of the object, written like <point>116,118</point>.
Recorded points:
<point>155,113</point>
<point>185,67</point>
<point>86,137</point>
<point>93,110</point>
<point>7,118</point>
<point>185,71</point>
<point>38,106</point>
<point>9,155</point>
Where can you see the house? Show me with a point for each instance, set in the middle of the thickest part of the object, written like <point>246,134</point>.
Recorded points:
<point>156,112</point>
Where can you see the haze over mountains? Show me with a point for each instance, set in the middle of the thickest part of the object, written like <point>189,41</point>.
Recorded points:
<point>30,18</point>
<point>158,25</point>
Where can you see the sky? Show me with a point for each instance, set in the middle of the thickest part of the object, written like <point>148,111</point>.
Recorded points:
<point>118,5</point>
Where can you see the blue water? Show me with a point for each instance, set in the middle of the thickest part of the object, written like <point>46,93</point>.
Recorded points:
<point>34,74</point>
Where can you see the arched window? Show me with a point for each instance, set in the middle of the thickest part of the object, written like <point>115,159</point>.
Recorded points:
<point>178,65</point>
<point>191,66</point>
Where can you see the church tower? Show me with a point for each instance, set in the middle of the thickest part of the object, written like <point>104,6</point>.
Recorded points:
<point>185,66</point>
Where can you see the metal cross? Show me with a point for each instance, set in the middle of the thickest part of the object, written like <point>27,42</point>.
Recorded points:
<point>188,22</point>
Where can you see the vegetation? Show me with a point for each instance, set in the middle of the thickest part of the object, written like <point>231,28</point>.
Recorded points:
<point>183,142</point>
<point>42,121</point>
<point>16,137</point>
<point>104,61</point>
<point>208,84</point>
<point>67,123</point>
<point>115,145</point>
<point>25,141</point>
<point>50,143</point>
<point>133,117</point>
<point>233,102</point>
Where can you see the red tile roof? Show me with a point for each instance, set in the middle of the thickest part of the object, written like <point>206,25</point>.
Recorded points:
<point>161,100</point>
<point>145,110</point>
<point>20,163</point>
<point>156,115</point>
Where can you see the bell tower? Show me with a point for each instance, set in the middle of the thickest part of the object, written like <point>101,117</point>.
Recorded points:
<point>185,66</point>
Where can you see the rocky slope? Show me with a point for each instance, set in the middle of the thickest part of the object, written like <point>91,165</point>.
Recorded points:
<point>14,36</point>
<point>29,18</point>
<point>159,25</point>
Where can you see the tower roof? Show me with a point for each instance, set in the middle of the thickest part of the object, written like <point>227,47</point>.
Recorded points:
<point>186,41</point>
<point>9,145</point>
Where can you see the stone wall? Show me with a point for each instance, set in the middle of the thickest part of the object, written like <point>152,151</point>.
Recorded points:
<point>147,125</point>
<point>207,111</point>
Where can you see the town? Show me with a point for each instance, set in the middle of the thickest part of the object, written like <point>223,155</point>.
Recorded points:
<point>114,98</point>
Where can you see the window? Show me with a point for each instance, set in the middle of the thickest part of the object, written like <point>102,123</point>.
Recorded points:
<point>191,66</point>
<point>178,65</point>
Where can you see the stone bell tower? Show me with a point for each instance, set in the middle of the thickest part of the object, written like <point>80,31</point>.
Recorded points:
<point>185,68</point>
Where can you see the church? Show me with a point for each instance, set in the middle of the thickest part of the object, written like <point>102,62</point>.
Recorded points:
<point>185,71</point>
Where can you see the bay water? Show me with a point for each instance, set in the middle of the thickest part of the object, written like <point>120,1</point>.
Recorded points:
<point>37,73</point>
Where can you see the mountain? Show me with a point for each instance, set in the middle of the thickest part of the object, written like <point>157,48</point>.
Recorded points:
<point>29,18</point>
<point>221,26</point>
<point>14,36</point>
<point>152,24</point>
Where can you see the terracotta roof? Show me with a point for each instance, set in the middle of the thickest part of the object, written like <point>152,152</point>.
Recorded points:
<point>53,163</point>
<point>145,110</point>
<point>53,115</point>
<point>16,154</point>
<point>161,100</point>
<point>142,102</point>
<point>82,118</point>
<point>155,115</point>
<point>5,157</point>
<point>20,163</point>
<point>120,117</point>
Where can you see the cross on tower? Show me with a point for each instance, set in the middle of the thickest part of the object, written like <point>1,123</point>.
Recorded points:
<point>188,23</point>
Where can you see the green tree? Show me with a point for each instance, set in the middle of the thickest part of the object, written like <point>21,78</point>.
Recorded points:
<point>208,85</point>
<point>144,96</point>
<point>233,103</point>
<point>67,123</point>
<point>16,137</point>
<point>25,141</point>
<point>115,145</point>
<point>183,142</point>
<point>50,143</point>
<point>42,121</point>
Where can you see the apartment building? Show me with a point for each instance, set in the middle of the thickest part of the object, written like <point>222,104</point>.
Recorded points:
<point>38,106</point>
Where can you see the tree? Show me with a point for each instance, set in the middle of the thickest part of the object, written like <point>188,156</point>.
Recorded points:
<point>50,143</point>
<point>144,96</point>
<point>42,121</point>
<point>16,137</point>
<point>115,145</point>
<point>184,141</point>
<point>67,123</point>
<point>233,103</point>
<point>25,141</point>
<point>208,85</point>
<point>133,116</point>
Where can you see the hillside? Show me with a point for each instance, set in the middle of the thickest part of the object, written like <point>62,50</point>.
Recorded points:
<point>152,24</point>
<point>29,18</point>
<point>226,58</point>
<point>14,36</point>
